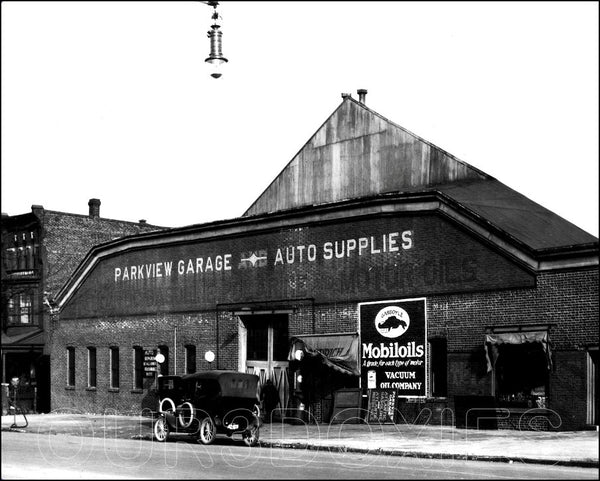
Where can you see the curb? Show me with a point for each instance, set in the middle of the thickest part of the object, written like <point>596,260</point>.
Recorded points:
<point>338,448</point>
<point>418,454</point>
<point>15,430</point>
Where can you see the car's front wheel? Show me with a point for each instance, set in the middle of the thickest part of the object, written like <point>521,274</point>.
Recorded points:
<point>207,431</point>
<point>250,436</point>
<point>161,429</point>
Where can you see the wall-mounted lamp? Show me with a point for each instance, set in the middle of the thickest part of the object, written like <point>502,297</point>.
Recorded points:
<point>215,59</point>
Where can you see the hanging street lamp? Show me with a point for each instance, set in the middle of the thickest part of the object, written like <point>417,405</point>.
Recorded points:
<point>215,59</point>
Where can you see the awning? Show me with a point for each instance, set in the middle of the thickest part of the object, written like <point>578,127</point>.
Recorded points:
<point>520,337</point>
<point>338,351</point>
<point>30,338</point>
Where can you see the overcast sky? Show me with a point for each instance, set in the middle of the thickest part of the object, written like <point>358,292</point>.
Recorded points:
<point>113,100</point>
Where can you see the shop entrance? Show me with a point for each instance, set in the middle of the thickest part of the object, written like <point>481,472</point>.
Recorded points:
<point>264,346</point>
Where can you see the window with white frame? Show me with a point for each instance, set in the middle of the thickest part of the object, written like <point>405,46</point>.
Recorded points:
<point>20,311</point>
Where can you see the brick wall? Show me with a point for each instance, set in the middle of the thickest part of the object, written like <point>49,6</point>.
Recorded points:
<point>568,300</point>
<point>67,238</point>
<point>147,332</point>
<point>441,258</point>
<point>568,388</point>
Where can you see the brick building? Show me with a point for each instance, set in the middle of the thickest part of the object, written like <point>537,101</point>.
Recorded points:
<point>374,263</point>
<point>40,250</point>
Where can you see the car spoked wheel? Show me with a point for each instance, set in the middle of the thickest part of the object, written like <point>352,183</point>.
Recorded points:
<point>251,435</point>
<point>186,414</point>
<point>207,431</point>
<point>166,405</point>
<point>161,429</point>
<point>256,412</point>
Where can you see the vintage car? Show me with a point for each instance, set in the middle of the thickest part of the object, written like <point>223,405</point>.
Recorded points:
<point>208,403</point>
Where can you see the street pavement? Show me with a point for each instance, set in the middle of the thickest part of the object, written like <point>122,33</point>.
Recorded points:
<point>568,448</point>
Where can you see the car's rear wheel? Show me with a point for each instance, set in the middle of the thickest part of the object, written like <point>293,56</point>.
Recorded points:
<point>207,431</point>
<point>161,429</point>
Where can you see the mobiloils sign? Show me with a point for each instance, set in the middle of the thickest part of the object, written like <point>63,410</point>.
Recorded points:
<point>393,346</point>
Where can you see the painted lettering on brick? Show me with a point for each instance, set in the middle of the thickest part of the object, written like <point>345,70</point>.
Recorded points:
<point>390,242</point>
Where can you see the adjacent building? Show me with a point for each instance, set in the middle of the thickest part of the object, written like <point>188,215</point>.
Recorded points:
<point>375,263</point>
<point>40,250</point>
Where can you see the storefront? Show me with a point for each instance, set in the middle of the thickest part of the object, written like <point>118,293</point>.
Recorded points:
<point>431,293</point>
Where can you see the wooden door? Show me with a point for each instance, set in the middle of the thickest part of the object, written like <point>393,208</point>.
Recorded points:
<point>266,349</point>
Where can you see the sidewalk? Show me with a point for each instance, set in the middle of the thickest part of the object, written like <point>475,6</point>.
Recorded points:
<point>572,448</point>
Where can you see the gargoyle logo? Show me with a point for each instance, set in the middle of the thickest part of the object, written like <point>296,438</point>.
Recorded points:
<point>392,321</point>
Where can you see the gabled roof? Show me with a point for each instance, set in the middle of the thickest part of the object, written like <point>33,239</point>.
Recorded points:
<point>527,222</point>
<point>358,153</point>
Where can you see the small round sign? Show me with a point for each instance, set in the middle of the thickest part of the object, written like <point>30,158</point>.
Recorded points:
<point>392,321</point>
<point>209,356</point>
<point>160,358</point>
